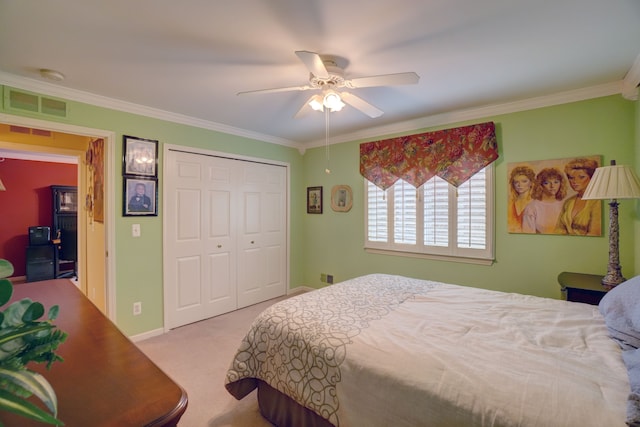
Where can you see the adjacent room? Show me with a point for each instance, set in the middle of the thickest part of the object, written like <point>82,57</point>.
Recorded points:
<point>322,213</point>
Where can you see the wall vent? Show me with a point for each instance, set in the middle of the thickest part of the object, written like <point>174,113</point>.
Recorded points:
<point>19,129</point>
<point>18,100</point>
<point>29,131</point>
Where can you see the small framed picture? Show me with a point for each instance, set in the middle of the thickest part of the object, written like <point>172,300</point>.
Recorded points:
<point>314,200</point>
<point>140,197</point>
<point>139,156</point>
<point>341,198</point>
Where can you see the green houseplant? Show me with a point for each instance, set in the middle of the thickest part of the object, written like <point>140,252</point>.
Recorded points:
<point>24,338</point>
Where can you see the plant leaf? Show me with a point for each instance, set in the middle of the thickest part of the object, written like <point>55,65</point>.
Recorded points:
<point>6,290</point>
<point>53,312</point>
<point>14,312</point>
<point>25,408</point>
<point>6,268</point>
<point>26,330</point>
<point>33,312</point>
<point>34,383</point>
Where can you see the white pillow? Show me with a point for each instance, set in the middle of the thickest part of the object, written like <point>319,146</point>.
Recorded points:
<point>621,310</point>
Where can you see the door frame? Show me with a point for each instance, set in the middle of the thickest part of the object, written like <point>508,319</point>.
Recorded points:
<point>109,192</point>
<point>231,156</point>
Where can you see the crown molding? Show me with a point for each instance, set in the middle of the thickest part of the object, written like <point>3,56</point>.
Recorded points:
<point>477,113</point>
<point>46,88</point>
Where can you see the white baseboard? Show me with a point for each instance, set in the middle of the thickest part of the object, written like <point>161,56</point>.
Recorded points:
<point>147,335</point>
<point>299,290</point>
<point>160,331</point>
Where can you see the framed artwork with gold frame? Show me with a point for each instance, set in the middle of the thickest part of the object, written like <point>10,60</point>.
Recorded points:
<point>341,198</point>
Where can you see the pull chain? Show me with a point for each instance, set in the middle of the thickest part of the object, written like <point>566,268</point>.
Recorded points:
<point>326,138</point>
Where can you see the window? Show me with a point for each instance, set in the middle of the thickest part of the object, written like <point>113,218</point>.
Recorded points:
<point>434,221</point>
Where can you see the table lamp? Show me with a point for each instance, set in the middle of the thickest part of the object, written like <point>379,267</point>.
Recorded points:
<point>613,182</point>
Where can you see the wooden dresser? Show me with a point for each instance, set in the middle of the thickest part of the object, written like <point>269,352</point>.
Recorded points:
<point>105,380</point>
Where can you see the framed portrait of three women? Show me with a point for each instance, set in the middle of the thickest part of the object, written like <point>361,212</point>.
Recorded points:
<point>545,197</point>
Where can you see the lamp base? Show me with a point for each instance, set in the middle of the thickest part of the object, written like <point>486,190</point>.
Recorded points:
<point>612,279</point>
<point>614,271</point>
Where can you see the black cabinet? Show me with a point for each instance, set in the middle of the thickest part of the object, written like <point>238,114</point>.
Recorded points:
<point>65,229</point>
<point>579,287</point>
<point>40,263</point>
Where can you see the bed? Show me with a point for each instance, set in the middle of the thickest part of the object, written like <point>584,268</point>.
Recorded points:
<point>382,350</point>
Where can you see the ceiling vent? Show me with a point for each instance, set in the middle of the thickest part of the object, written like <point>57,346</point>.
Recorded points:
<point>18,100</point>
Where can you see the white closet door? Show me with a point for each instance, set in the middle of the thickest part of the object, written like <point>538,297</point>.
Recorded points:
<point>262,233</point>
<point>200,238</point>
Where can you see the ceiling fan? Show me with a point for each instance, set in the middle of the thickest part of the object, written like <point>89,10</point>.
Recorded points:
<point>326,75</point>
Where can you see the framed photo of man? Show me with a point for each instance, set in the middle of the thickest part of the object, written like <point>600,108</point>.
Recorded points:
<point>139,156</point>
<point>140,197</point>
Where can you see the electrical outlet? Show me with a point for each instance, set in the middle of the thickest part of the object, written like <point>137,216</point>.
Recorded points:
<point>323,277</point>
<point>137,308</point>
<point>135,230</point>
<point>330,279</point>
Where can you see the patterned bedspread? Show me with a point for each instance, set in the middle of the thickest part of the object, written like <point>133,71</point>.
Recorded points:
<point>298,345</point>
<point>390,350</point>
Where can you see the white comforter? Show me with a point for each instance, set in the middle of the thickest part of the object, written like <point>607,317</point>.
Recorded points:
<point>384,350</point>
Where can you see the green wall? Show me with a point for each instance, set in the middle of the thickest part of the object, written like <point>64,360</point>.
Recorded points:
<point>138,261</point>
<point>524,263</point>
<point>636,211</point>
<point>333,242</point>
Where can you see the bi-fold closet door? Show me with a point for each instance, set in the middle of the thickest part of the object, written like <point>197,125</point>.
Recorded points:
<point>225,235</point>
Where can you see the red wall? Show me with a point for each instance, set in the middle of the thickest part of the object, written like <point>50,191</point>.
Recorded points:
<point>27,202</point>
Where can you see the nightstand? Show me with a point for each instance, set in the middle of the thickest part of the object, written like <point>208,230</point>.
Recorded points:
<point>578,287</point>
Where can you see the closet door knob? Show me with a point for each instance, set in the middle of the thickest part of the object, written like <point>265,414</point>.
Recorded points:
<point>252,242</point>
<point>219,246</point>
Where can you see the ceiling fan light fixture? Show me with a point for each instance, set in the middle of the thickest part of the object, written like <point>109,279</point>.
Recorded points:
<point>317,103</point>
<point>332,101</point>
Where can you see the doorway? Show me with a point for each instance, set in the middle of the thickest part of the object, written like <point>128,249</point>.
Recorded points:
<point>104,288</point>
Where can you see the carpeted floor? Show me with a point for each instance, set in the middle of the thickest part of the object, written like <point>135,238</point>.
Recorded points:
<point>197,356</point>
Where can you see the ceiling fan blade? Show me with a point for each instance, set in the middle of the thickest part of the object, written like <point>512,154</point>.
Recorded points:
<point>383,80</point>
<point>304,110</point>
<point>277,89</point>
<point>361,105</point>
<point>314,63</point>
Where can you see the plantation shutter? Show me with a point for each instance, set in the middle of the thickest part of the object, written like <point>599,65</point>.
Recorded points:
<point>377,218</point>
<point>404,213</point>
<point>472,212</point>
<point>436,212</point>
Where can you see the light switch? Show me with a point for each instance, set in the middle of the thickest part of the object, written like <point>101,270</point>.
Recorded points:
<point>135,230</point>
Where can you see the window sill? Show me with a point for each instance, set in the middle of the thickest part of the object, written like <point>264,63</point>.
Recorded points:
<point>448,258</point>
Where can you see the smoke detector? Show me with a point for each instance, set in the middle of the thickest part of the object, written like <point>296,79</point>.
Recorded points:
<point>52,75</point>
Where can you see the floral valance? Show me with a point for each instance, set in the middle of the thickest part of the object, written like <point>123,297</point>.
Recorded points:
<point>454,155</point>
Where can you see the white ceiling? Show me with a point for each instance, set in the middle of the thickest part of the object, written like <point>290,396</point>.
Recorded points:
<point>189,58</point>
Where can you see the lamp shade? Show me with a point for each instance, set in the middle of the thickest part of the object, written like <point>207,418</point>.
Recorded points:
<point>613,182</point>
